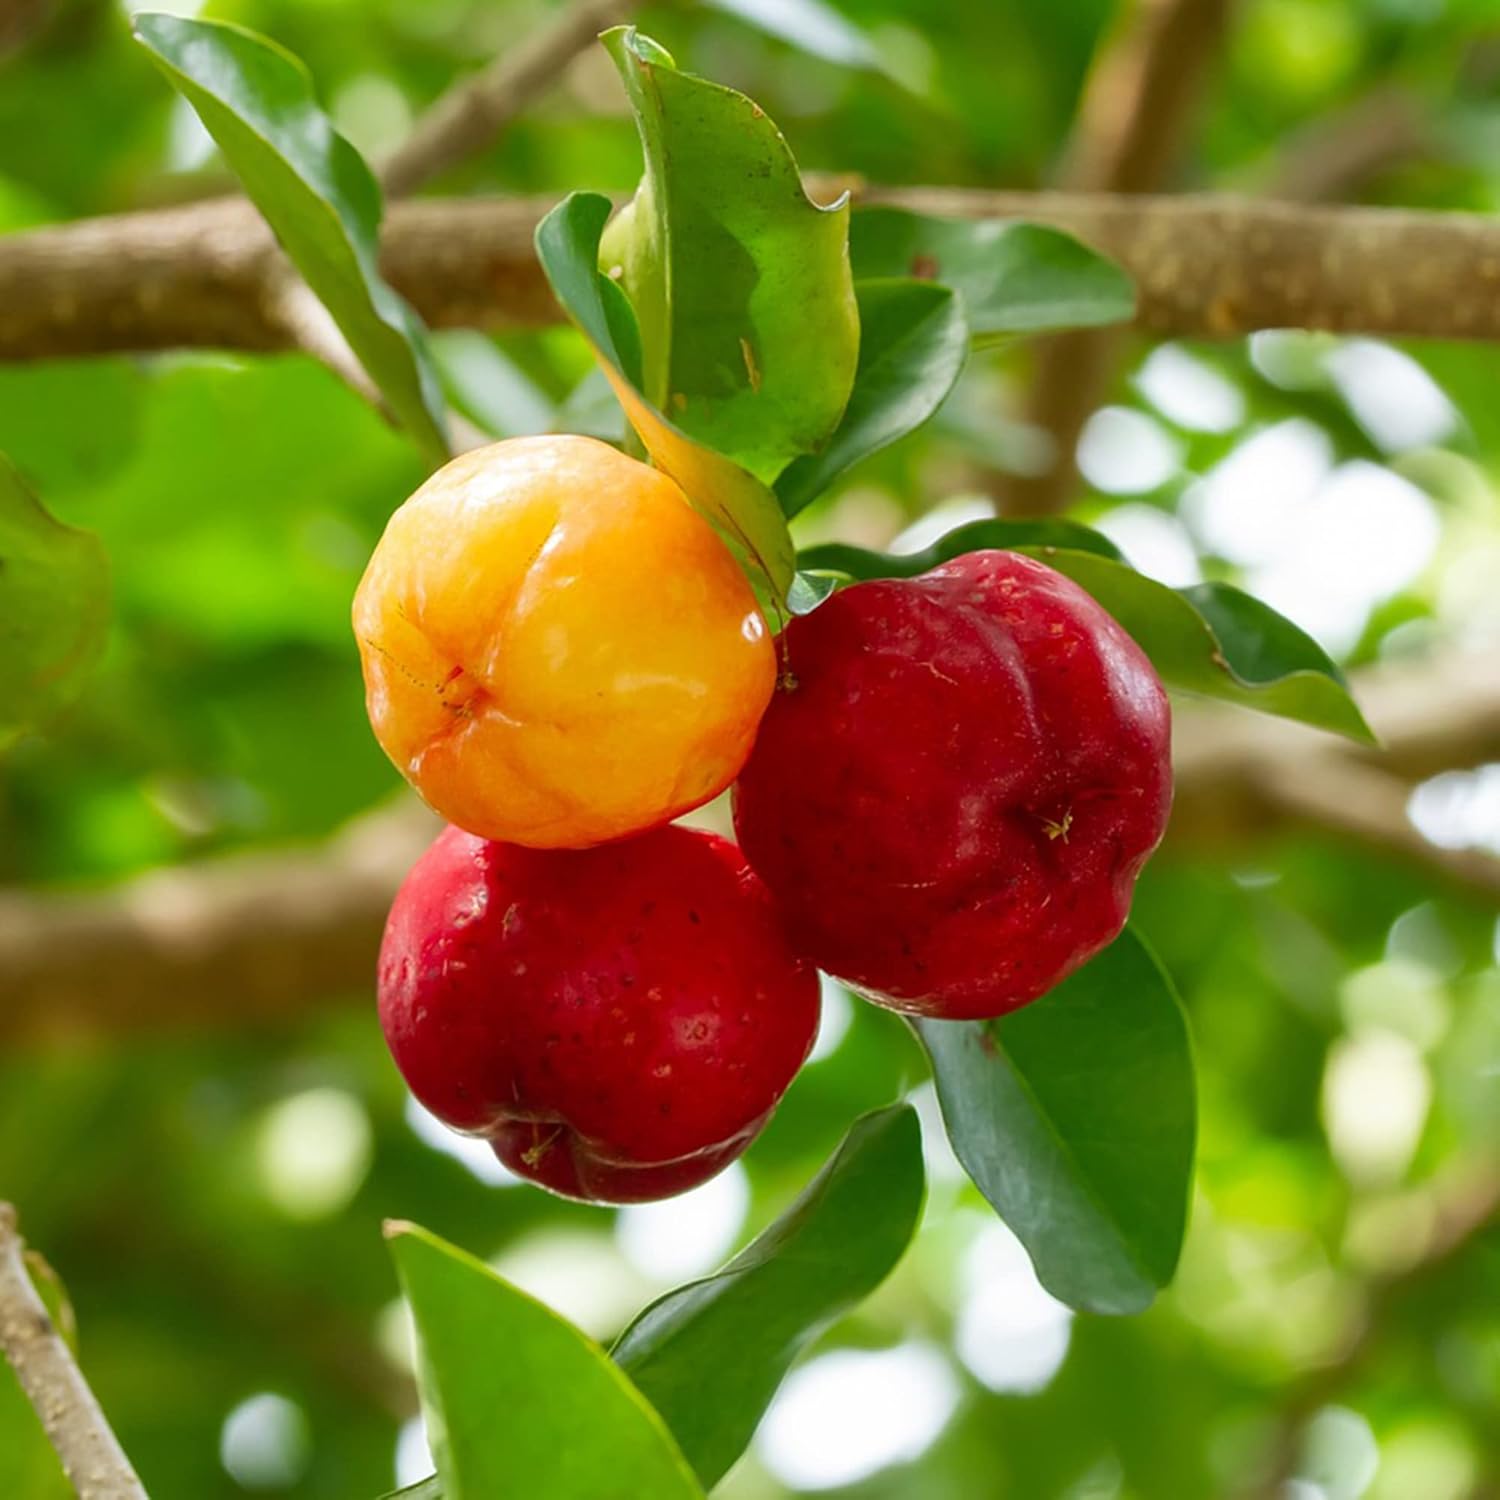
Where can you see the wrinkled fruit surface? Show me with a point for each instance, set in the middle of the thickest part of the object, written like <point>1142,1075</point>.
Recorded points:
<point>557,649</point>
<point>956,788</point>
<point>619,1022</point>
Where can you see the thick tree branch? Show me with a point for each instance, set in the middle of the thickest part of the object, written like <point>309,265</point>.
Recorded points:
<point>243,939</point>
<point>201,277</point>
<point>75,1426</point>
<point>469,117</point>
<point>261,938</point>
<point>1136,108</point>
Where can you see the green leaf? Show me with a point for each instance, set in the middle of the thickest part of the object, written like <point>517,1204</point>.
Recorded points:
<point>1213,639</point>
<point>710,1355</point>
<point>741,282</point>
<point>517,1400</point>
<point>1075,1117</point>
<point>1014,278</point>
<point>315,192</point>
<point>913,343</point>
<point>973,536</point>
<point>54,609</point>
<point>744,510</point>
<point>809,590</point>
<point>430,1488</point>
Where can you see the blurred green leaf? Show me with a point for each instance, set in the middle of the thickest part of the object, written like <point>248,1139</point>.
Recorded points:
<point>710,1355</point>
<point>314,190</point>
<point>1013,277</point>
<point>54,608</point>
<point>518,1401</point>
<point>1213,639</point>
<point>913,343</point>
<point>592,408</point>
<point>744,510</point>
<point>741,282</point>
<point>1075,1116</point>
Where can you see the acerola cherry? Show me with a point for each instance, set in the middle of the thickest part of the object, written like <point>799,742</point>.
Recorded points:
<point>558,650</point>
<point>619,1022</point>
<point>955,790</point>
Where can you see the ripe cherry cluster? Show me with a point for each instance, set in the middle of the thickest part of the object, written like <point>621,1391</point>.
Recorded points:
<point>944,790</point>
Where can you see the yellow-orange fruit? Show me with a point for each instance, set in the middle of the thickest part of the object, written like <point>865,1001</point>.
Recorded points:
<point>558,650</point>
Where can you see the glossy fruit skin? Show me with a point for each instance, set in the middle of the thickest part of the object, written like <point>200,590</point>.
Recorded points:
<point>955,790</point>
<point>618,1022</point>
<point>558,650</point>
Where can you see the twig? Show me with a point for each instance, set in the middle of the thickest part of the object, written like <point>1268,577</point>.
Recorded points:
<point>1131,122</point>
<point>469,117</point>
<point>91,1454</point>
<point>1341,152</point>
<point>1366,805</point>
<point>1205,266</point>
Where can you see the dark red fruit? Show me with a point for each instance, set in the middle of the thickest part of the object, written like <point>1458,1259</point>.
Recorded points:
<point>619,1022</point>
<point>957,785</point>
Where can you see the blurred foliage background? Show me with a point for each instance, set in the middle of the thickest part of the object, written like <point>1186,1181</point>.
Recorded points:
<point>212,1197</point>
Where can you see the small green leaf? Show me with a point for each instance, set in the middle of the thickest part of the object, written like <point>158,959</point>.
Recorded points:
<point>973,536</point>
<point>741,282</point>
<point>1213,639</point>
<point>518,1401</point>
<point>1013,277</point>
<point>54,609</point>
<point>1075,1117</point>
<point>743,509</point>
<point>710,1355</point>
<point>315,192</point>
<point>809,590</point>
<point>913,343</point>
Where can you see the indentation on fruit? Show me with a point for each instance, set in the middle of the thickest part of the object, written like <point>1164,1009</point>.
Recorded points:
<point>462,695</point>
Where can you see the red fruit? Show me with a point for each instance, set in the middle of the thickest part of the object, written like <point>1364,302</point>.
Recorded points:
<point>619,1022</point>
<point>955,789</point>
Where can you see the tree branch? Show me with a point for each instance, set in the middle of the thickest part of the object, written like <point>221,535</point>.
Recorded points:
<point>1366,805</point>
<point>468,118</point>
<point>1206,267</point>
<point>244,939</point>
<point>75,1426</point>
<point>1135,111</point>
<point>261,938</point>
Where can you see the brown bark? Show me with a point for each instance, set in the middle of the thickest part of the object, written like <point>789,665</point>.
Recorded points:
<point>1136,109</point>
<point>1206,267</point>
<point>91,1455</point>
